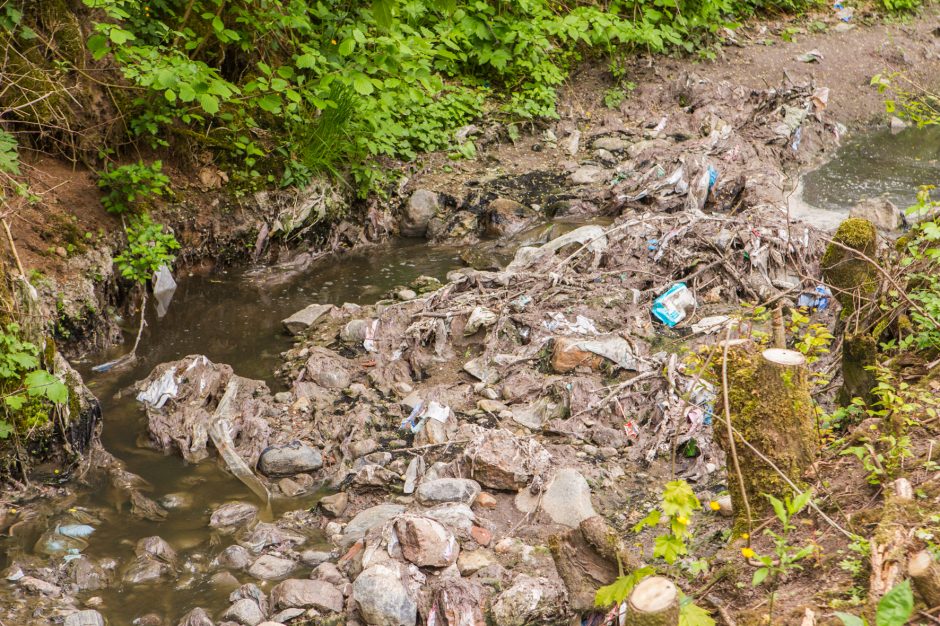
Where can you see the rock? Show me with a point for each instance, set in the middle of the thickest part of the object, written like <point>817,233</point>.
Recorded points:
<point>455,515</point>
<point>283,397</point>
<point>383,599</point>
<point>87,575</point>
<point>879,211</point>
<point>432,492</point>
<point>298,593</point>
<point>367,519</point>
<point>426,542</point>
<point>725,508</point>
<point>234,557</point>
<point>566,356</point>
<point>36,585</point>
<point>606,157</point>
<point>406,294</point>
<point>306,317</point>
<point>335,504</point>
<point>196,617</point>
<point>363,447</point>
<point>269,567</point>
<point>486,501</point>
<point>156,547</point>
<point>588,174</point>
<point>328,572</point>
<point>290,459</point>
<point>312,558</point>
<point>421,207</point>
<point>145,569</point>
<point>498,460</point>
<point>481,535</point>
<point>290,487</point>
<point>611,144</point>
<point>233,515</point>
<point>471,561</point>
<point>84,618</point>
<point>567,500</point>
<point>179,500</point>
<point>246,612</point>
<point>414,471</point>
<point>224,581</point>
<point>524,602</point>
<point>504,218</point>
<point>572,142</point>
<point>327,369</point>
<point>375,476</point>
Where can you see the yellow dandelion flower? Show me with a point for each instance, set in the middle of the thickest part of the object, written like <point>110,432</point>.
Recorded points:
<point>333,41</point>
<point>745,536</point>
<point>683,520</point>
<point>747,553</point>
<point>714,506</point>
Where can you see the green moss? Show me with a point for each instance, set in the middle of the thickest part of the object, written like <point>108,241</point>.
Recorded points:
<point>59,21</point>
<point>844,270</point>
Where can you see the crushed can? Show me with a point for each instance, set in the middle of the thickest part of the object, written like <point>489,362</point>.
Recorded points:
<point>672,307</point>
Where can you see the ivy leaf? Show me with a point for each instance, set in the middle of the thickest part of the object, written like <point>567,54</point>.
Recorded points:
<point>15,402</point>
<point>896,607</point>
<point>42,383</point>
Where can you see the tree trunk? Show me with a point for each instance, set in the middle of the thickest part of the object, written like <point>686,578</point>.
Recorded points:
<point>925,572</point>
<point>889,543</point>
<point>653,602</point>
<point>771,408</point>
<point>859,352</point>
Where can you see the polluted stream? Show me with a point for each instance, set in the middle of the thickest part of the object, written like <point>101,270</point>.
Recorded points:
<point>869,165</point>
<point>231,317</point>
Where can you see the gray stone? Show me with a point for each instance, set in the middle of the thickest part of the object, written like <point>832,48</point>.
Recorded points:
<point>448,490</point>
<point>290,487</point>
<point>312,558</point>
<point>234,557</point>
<point>224,581</point>
<point>588,174</point>
<point>306,317</point>
<point>334,504</point>
<point>290,459</point>
<point>145,569</point>
<point>233,515</point>
<point>368,519</point>
<point>455,515</point>
<point>270,567</point>
<point>84,618</point>
<point>471,561</point>
<point>421,207</point>
<point>612,144</point>
<point>87,575</point>
<point>328,572</point>
<point>606,157</point>
<point>382,598</point>
<point>567,500</point>
<point>879,211</point>
<point>246,612</point>
<point>426,542</point>
<point>178,500</point>
<point>406,294</point>
<point>156,547</point>
<point>524,602</point>
<point>499,460</point>
<point>196,617</point>
<point>298,593</point>
<point>572,142</point>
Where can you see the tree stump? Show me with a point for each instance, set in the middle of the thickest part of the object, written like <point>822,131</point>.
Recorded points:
<point>859,353</point>
<point>890,541</point>
<point>653,602</point>
<point>851,277</point>
<point>771,407</point>
<point>925,574</point>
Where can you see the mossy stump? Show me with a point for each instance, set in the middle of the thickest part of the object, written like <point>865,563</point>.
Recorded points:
<point>771,408</point>
<point>653,602</point>
<point>859,353</point>
<point>851,277</point>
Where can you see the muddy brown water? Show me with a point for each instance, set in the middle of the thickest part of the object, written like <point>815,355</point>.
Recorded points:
<point>868,165</point>
<point>232,317</point>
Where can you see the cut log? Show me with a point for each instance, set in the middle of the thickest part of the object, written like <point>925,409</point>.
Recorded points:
<point>925,574</point>
<point>890,541</point>
<point>653,602</point>
<point>771,408</point>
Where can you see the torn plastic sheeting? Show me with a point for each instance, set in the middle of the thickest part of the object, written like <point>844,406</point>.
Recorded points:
<point>817,299</point>
<point>592,236</point>
<point>709,325</point>
<point>480,317</point>
<point>422,413</point>
<point>222,439</point>
<point>369,342</point>
<point>581,325</point>
<point>613,348</point>
<point>160,390</point>
<point>163,289</point>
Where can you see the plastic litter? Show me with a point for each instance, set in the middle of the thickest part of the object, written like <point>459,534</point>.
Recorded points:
<point>76,531</point>
<point>817,299</point>
<point>843,12</point>
<point>581,325</point>
<point>709,325</point>
<point>613,348</point>
<point>160,390</point>
<point>422,413</point>
<point>369,342</point>
<point>519,304</point>
<point>479,318</point>
<point>813,56</point>
<point>163,289</point>
<point>672,307</point>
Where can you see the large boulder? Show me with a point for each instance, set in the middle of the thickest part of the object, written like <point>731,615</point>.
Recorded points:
<point>84,618</point>
<point>383,599</point>
<point>304,594</point>
<point>270,567</point>
<point>327,369</point>
<point>527,601</point>
<point>504,218</point>
<point>245,611</point>
<point>426,542</point>
<point>306,317</point>
<point>418,211</point>
<point>499,460</point>
<point>367,519</point>
<point>879,211</point>
<point>567,500</point>
<point>289,459</point>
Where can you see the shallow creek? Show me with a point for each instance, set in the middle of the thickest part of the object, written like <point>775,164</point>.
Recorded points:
<point>869,165</point>
<point>231,317</point>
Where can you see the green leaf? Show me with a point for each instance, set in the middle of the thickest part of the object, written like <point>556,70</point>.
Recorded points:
<point>42,383</point>
<point>617,591</point>
<point>669,548</point>
<point>779,509</point>
<point>800,502</point>
<point>98,46</point>
<point>15,402</point>
<point>652,518</point>
<point>306,61</point>
<point>347,46</point>
<point>896,607</point>
<point>120,36</point>
<point>760,575</point>
<point>691,614</point>
<point>209,103</point>
<point>6,429</point>
<point>362,84</point>
<point>382,10</point>
<point>850,620</point>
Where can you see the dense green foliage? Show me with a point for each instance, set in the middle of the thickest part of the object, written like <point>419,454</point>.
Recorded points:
<point>26,388</point>
<point>287,88</point>
<point>126,186</point>
<point>149,246</point>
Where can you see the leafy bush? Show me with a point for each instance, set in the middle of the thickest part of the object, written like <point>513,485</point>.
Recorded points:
<point>24,385</point>
<point>149,246</point>
<point>127,186</point>
<point>894,609</point>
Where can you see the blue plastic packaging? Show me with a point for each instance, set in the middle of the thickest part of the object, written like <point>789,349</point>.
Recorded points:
<point>670,308</point>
